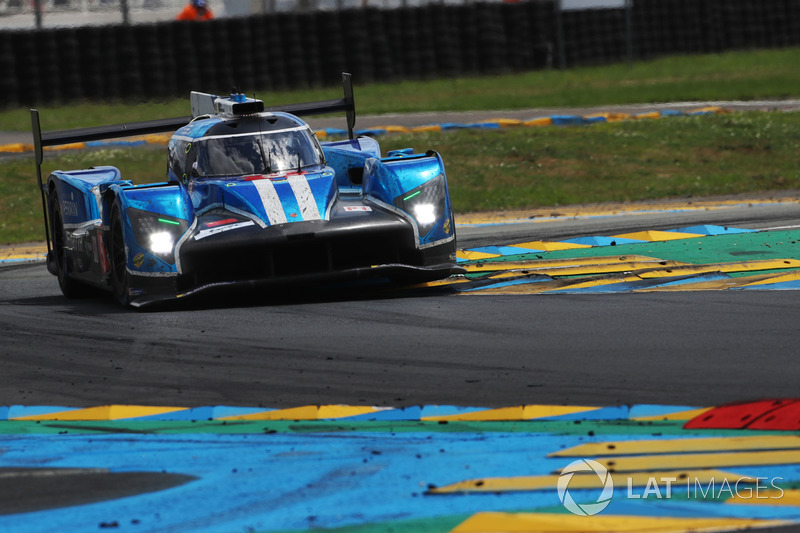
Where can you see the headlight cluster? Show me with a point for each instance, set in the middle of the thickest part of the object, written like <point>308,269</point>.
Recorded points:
<point>157,233</point>
<point>426,203</point>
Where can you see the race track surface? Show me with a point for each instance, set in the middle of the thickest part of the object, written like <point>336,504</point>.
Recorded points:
<point>419,346</point>
<point>464,406</point>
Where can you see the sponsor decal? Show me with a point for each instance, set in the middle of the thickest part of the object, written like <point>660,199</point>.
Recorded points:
<point>447,226</point>
<point>69,208</point>
<point>219,229</point>
<point>220,222</point>
<point>138,259</point>
<point>357,208</point>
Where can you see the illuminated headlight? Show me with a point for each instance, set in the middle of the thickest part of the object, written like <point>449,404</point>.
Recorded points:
<point>161,242</point>
<point>425,213</point>
<point>157,233</point>
<point>426,203</point>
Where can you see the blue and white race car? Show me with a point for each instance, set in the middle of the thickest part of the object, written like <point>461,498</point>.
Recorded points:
<point>252,198</point>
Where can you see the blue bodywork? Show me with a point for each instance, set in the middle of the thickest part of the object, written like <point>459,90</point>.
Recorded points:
<point>343,212</point>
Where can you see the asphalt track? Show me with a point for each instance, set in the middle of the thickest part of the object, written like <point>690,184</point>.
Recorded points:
<point>411,347</point>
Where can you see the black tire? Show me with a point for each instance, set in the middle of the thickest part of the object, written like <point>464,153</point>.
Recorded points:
<point>119,261</point>
<point>69,287</point>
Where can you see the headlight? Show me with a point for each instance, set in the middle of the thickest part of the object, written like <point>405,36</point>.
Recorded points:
<point>157,233</point>
<point>161,242</point>
<point>426,203</point>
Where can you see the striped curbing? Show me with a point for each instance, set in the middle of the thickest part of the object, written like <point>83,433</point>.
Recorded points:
<point>685,259</point>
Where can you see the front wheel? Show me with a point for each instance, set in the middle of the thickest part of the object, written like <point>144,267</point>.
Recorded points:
<point>119,261</point>
<point>69,287</point>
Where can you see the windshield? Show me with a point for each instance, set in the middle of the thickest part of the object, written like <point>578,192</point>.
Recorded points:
<point>258,153</point>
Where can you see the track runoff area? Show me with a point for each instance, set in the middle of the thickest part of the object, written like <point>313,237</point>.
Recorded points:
<point>436,468</point>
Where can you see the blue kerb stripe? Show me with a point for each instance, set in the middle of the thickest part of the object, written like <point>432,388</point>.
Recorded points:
<point>781,285</point>
<point>448,410</point>
<point>605,413</point>
<point>567,120</point>
<point>17,411</point>
<point>405,413</point>
<point>645,410</point>
<point>711,230</point>
<point>94,144</point>
<point>502,250</point>
<point>334,132</point>
<point>697,278</point>
<point>484,125</point>
<point>604,241</point>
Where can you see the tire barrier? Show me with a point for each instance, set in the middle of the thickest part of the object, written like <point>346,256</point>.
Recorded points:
<point>299,50</point>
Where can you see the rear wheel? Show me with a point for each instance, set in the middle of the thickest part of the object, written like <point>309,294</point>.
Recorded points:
<point>69,287</point>
<point>119,261</point>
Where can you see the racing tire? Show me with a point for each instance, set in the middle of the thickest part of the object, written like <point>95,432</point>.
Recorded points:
<point>120,282</point>
<point>70,288</point>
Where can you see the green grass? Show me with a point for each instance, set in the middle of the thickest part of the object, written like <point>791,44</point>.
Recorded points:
<point>516,168</point>
<point>730,76</point>
<point>525,167</point>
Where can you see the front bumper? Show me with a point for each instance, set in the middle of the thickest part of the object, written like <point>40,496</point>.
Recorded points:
<point>305,253</point>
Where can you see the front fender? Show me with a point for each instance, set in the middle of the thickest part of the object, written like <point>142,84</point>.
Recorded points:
<point>145,211</point>
<point>415,187</point>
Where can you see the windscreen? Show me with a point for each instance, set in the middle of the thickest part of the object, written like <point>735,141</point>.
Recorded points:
<point>258,153</point>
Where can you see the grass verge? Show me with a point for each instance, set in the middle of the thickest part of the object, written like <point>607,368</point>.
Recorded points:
<point>523,167</point>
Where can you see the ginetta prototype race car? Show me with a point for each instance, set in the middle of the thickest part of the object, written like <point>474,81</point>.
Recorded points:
<point>252,198</point>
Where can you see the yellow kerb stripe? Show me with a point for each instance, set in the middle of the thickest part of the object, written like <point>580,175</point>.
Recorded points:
<point>700,460</point>
<point>104,412</point>
<point>590,481</point>
<point>713,444</point>
<point>308,412</point>
<point>566,523</point>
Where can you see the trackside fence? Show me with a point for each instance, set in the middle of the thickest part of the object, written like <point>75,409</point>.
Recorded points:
<point>299,50</point>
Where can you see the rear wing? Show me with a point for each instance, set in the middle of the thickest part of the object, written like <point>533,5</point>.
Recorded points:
<point>346,104</point>
<point>42,139</point>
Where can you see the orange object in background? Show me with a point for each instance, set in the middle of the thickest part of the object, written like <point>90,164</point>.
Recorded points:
<point>196,10</point>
